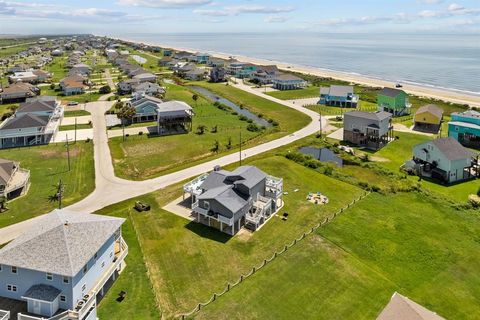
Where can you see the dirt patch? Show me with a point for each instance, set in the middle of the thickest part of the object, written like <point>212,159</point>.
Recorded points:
<point>50,153</point>
<point>379,159</point>
<point>244,235</point>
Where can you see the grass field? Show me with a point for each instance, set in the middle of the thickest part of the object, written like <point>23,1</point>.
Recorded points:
<point>187,260</point>
<point>72,126</point>
<point>57,68</point>
<point>334,111</point>
<point>47,165</point>
<point>76,113</point>
<point>142,157</point>
<point>350,269</point>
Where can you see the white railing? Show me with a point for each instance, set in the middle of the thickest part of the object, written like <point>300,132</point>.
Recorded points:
<point>4,315</point>
<point>22,316</point>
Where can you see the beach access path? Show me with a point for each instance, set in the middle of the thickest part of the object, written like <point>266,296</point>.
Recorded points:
<point>110,189</point>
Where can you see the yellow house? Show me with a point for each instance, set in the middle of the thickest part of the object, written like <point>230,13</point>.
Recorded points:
<point>428,118</point>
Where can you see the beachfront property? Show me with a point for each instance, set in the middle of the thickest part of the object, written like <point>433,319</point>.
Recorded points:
<point>401,308</point>
<point>286,81</point>
<point>394,101</point>
<point>34,122</point>
<point>200,58</point>
<point>428,118</point>
<point>215,62</point>
<point>465,128</point>
<point>338,96</point>
<point>444,159</point>
<point>174,117</point>
<point>18,92</point>
<point>230,200</point>
<point>167,52</point>
<point>14,181</point>
<point>265,74</point>
<point>217,74</point>
<point>241,70</point>
<point>61,266</point>
<point>372,130</point>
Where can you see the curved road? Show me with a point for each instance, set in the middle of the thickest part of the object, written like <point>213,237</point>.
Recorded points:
<point>110,189</point>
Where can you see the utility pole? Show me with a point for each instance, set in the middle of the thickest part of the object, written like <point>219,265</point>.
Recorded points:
<point>240,146</point>
<point>75,140</point>
<point>60,194</point>
<point>123,131</point>
<point>320,121</point>
<point>68,151</point>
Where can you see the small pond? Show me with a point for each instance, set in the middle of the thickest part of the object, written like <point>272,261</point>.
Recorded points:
<point>323,155</point>
<point>139,59</point>
<point>213,97</point>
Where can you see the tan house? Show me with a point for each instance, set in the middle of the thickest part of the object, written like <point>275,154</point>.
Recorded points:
<point>428,118</point>
<point>14,181</point>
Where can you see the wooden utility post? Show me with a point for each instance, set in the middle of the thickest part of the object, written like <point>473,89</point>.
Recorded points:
<point>240,146</point>
<point>320,120</point>
<point>75,140</point>
<point>68,151</point>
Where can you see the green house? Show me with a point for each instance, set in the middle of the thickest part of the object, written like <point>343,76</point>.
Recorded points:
<point>393,101</point>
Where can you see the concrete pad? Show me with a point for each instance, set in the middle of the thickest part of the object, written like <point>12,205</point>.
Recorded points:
<point>82,134</point>
<point>180,207</point>
<point>337,134</point>
<point>304,102</point>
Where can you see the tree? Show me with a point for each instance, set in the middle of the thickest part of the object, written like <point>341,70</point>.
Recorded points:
<point>195,98</point>
<point>229,143</point>
<point>3,204</point>
<point>214,129</point>
<point>105,90</point>
<point>126,113</point>
<point>52,86</point>
<point>216,146</point>
<point>58,195</point>
<point>201,129</point>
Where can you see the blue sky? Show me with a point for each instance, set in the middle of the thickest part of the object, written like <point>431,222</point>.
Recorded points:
<point>123,17</point>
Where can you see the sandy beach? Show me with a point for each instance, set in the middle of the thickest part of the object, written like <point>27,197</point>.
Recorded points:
<point>418,90</point>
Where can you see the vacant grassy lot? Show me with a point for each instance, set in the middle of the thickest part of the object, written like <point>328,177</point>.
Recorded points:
<point>187,260</point>
<point>47,165</point>
<point>334,111</point>
<point>78,126</point>
<point>142,157</point>
<point>349,270</point>
<point>57,67</point>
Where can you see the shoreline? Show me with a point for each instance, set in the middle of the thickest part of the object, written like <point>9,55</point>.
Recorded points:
<point>444,94</point>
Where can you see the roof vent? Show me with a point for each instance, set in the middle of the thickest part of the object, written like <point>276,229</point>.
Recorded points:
<point>217,168</point>
<point>66,223</point>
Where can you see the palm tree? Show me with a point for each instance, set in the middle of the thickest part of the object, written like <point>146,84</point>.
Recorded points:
<point>125,112</point>
<point>57,196</point>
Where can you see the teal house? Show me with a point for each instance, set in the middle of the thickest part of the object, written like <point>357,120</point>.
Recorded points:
<point>393,101</point>
<point>465,128</point>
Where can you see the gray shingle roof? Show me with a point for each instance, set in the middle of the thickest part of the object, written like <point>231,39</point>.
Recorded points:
<point>226,196</point>
<point>6,170</point>
<point>378,116</point>
<point>390,92</point>
<point>452,149</point>
<point>402,308</point>
<point>27,120</point>
<point>42,292</point>
<point>338,91</point>
<point>247,175</point>
<point>37,106</point>
<point>61,242</point>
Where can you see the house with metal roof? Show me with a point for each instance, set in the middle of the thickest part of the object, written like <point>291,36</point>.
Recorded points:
<point>428,118</point>
<point>338,96</point>
<point>230,200</point>
<point>394,101</point>
<point>35,122</point>
<point>174,117</point>
<point>444,159</point>
<point>14,181</point>
<point>465,128</point>
<point>284,81</point>
<point>372,130</point>
<point>61,266</point>
<point>402,308</point>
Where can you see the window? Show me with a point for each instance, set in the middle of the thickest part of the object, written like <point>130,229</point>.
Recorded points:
<point>14,270</point>
<point>85,268</point>
<point>103,264</point>
<point>95,256</point>
<point>49,276</point>
<point>63,298</point>
<point>207,205</point>
<point>111,254</point>
<point>84,287</point>
<point>66,280</point>
<point>11,287</point>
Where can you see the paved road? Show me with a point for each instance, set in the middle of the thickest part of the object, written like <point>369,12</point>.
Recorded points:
<point>110,189</point>
<point>109,79</point>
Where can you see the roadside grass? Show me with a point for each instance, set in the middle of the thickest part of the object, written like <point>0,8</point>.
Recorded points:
<point>135,125</point>
<point>143,157</point>
<point>337,111</point>
<point>76,113</point>
<point>188,261</point>
<point>428,249</point>
<point>47,165</point>
<point>72,126</point>
<point>309,92</point>
<point>140,300</point>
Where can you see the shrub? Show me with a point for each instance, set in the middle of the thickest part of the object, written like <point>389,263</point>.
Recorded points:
<point>242,118</point>
<point>252,127</point>
<point>105,90</point>
<point>140,133</point>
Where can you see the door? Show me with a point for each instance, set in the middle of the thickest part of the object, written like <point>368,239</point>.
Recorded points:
<point>37,307</point>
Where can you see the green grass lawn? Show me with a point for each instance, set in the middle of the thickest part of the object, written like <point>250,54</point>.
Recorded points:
<point>57,68</point>
<point>72,126</point>
<point>5,52</point>
<point>350,268</point>
<point>76,113</point>
<point>309,92</point>
<point>80,98</point>
<point>47,165</point>
<point>187,261</point>
<point>142,157</point>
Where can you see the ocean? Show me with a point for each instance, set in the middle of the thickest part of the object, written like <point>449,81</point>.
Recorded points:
<point>434,60</point>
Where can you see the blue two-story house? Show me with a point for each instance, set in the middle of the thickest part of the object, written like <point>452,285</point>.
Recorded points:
<point>338,96</point>
<point>465,128</point>
<point>61,266</point>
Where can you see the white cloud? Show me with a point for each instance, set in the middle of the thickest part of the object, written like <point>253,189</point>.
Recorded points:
<point>432,1</point>
<point>245,9</point>
<point>276,19</point>
<point>455,7</point>
<point>164,3</point>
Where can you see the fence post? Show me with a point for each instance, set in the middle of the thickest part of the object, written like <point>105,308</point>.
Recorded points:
<point>241,277</point>
<point>253,270</point>
<point>286,248</point>
<point>228,286</point>
<point>214,297</point>
<point>264,261</point>
<point>199,306</point>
